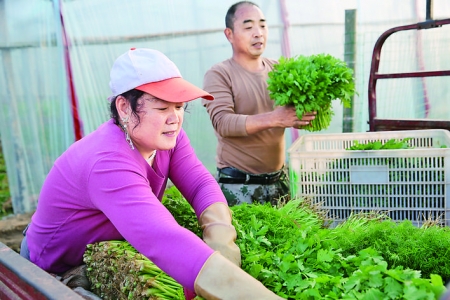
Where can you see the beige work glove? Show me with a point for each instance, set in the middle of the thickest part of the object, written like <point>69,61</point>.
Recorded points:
<point>221,279</point>
<point>218,232</point>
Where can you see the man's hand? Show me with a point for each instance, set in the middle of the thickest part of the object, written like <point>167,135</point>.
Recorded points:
<point>306,119</point>
<point>280,117</point>
<point>287,117</point>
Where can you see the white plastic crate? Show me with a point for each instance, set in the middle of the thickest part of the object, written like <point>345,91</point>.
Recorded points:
<point>408,184</point>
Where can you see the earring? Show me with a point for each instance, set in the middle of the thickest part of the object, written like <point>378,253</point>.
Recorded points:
<point>127,136</point>
<point>128,139</point>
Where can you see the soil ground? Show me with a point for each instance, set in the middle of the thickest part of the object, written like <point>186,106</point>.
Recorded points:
<point>11,228</point>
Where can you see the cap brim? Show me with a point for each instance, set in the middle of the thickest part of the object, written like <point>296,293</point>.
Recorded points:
<point>174,90</point>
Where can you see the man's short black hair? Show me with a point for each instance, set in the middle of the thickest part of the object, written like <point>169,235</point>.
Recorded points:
<point>229,18</point>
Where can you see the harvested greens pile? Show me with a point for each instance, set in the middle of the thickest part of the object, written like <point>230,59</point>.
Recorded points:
<point>293,254</point>
<point>311,83</point>
<point>117,271</point>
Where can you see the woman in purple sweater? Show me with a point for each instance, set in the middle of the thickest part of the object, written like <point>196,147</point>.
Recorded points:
<point>109,186</point>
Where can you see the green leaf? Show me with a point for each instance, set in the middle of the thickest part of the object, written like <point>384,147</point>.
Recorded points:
<point>373,294</point>
<point>255,270</point>
<point>376,279</point>
<point>411,292</point>
<point>324,255</point>
<point>392,288</point>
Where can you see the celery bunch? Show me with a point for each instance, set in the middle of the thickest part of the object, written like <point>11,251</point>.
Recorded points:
<point>311,83</point>
<point>117,271</point>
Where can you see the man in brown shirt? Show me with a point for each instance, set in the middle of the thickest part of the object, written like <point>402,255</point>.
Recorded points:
<point>250,130</point>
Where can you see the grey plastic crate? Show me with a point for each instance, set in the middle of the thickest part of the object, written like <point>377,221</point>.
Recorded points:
<point>408,184</point>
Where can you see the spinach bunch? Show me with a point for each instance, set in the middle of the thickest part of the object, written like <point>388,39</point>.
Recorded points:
<point>311,83</point>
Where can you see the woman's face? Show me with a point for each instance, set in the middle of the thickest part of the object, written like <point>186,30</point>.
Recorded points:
<point>160,123</point>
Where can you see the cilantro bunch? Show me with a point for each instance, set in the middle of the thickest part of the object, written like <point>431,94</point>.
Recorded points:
<point>311,83</point>
<point>289,251</point>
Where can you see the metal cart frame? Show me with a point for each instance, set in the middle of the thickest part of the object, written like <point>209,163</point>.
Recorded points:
<point>379,124</point>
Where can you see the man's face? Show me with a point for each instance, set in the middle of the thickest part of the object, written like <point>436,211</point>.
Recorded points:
<point>250,31</point>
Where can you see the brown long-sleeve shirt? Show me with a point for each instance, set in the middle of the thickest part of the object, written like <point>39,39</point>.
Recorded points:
<point>239,93</point>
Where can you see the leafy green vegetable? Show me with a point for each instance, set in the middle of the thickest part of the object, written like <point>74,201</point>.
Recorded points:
<point>378,145</point>
<point>400,243</point>
<point>117,270</point>
<point>311,83</point>
<point>181,210</point>
<point>290,252</point>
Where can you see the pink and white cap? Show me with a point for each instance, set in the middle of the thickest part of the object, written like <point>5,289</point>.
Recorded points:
<point>152,72</point>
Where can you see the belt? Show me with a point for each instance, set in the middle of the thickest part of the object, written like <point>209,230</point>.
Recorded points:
<point>237,176</point>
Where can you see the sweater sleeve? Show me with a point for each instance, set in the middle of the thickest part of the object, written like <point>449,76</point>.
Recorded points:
<point>118,188</point>
<point>192,178</point>
<point>225,121</point>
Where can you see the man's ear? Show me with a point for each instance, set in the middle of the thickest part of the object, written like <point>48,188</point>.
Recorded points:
<point>229,34</point>
<point>122,106</point>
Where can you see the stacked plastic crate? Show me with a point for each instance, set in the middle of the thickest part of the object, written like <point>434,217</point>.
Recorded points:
<point>408,183</point>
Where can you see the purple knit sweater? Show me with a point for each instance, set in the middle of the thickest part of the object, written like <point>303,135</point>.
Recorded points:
<point>100,189</point>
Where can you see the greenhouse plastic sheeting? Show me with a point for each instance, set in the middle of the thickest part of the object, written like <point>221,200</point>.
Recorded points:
<point>40,110</point>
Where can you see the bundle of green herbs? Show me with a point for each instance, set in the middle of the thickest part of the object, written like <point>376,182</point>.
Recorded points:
<point>117,271</point>
<point>311,83</point>
<point>293,253</point>
<point>400,243</point>
<point>391,144</point>
<point>380,145</point>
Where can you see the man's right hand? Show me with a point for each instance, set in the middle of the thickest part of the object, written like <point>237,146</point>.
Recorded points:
<point>280,117</point>
<point>286,117</point>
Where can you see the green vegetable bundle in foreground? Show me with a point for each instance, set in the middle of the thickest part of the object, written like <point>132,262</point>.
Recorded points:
<point>290,251</point>
<point>117,271</point>
<point>311,83</point>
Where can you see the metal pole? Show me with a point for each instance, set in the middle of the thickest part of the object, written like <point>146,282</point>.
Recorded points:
<point>429,10</point>
<point>78,131</point>
<point>349,58</point>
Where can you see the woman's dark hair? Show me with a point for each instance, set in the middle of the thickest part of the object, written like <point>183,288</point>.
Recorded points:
<point>132,96</point>
<point>229,18</point>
